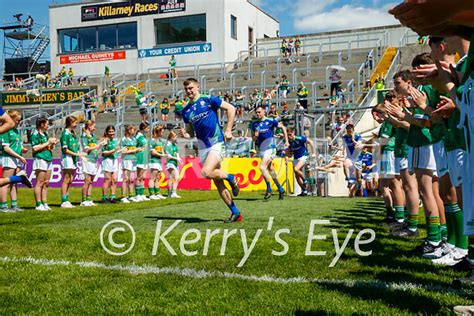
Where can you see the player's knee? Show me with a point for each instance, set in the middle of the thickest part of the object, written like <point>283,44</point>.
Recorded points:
<point>206,173</point>
<point>45,184</point>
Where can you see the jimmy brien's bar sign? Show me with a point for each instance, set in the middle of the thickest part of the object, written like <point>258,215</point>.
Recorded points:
<point>130,8</point>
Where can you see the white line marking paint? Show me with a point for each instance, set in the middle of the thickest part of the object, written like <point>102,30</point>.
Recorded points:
<point>202,274</point>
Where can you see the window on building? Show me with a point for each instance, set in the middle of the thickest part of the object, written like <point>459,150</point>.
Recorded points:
<point>98,38</point>
<point>191,28</point>
<point>107,37</point>
<point>68,40</point>
<point>233,27</point>
<point>87,39</point>
<point>127,35</point>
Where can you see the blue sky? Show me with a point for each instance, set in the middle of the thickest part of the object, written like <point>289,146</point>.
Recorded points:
<point>295,16</point>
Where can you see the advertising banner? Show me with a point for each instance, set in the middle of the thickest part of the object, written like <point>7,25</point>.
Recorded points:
<point>124,9</point>
<point>92,57</point>
<point>175,50</point>
<point>168,6</point>
<point>47,97</point>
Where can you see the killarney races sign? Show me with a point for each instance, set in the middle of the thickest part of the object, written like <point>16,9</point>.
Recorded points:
<point>130,8</point>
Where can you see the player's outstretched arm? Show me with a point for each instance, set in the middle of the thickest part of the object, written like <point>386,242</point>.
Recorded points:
<point>7,122</point>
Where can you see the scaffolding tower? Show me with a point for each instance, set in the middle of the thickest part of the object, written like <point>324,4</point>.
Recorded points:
<point>24,44</point>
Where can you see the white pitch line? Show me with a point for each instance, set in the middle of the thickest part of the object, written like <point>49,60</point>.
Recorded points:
<point>201,274</point>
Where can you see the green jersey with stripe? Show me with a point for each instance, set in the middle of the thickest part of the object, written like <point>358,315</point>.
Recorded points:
<point>38,138</point>
<point>89,141</point>
<point>387,131</point>
<point>142,156</point>
<point>129,144</point>
<point>159,146</point>
<point>12,139</point>
<point>171,149</point>
<point>111,145</point>
<point>69,141</point>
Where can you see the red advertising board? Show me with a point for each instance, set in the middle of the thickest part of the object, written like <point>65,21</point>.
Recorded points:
<point>91,57</point>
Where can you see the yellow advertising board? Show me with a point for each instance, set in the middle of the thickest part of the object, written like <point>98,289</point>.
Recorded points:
<point>249,176</point>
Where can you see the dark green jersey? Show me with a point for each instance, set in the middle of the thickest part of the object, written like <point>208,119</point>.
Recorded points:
<point>157,145</point>
<point>12,139</point>
<point>69,141</point>
<point>111,145</point>
<point>438,129</point>
<point>388,132</point>
<point>38,138</point>
<point>172,149</point>
<point>89,141</point>
<point>401,147</point>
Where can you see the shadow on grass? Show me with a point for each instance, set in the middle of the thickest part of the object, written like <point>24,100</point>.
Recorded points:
<point>184,219</point>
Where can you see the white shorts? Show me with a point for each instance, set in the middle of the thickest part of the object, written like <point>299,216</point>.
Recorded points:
<point>386,165</point>
<point>11,162</point>
<point>356,164</point>
<point>440,158</point>
<point>156,166</point>
<point>130,165</point>
<point>109,165</point>
<point>218,148</point>
<point>400,164</point>
<point>421,158</point>
<point>303,159</point>
<point>271,153</point>
<point>369,176</point>
<point>89,168</point>
<point>68,163</point>
<point>455,166</point>
<point>41,164</point>
<point>171,166</point>
<point>142,166</point>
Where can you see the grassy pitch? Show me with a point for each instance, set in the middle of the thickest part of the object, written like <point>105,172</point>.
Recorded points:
<point>53,262</point>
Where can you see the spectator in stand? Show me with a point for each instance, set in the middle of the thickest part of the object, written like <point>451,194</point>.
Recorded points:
<point>337,126</point>
<point>335,80</point>
<point>105,101</point>
<point>266,99</point>
<point>153,104</point>
<point>165,109</point>
<point>113,95</point>
<point>239,104</point>
<point>284,86</point>
<point>70,75</point>
<point>285,114</point>
<point>173,71</point>
<point>89,106</point>
<point>297,48</point>
<point>178,107</point>
<point>284,48</point>
<point>302,93</point>
<point>289,50</point>
<point>272,112</point>
<point>379,83</point>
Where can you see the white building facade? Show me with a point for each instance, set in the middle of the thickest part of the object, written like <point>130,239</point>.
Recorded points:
<point>136,35</point>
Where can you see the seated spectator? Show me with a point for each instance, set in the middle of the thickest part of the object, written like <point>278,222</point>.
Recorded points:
<point>266,99</point>
<point>272,112</point>
<point>239,104</point>
<point>337,126</point>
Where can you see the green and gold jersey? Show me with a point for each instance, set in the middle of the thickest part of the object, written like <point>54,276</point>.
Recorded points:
<point>12,139</point>
<point>142,141</point>
<point>111,145</point>
<point>171,149</point>
<point>38,138</point>
<point>89,141</point>
<point>387,131</point>
<point>129,144</point>
<point>69,141</point>
<point>159,146</point>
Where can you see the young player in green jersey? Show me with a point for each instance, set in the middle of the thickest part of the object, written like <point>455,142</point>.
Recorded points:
<point>42,145</point>
<point>70,154</point>
<point>110,151</point>
<point>142,161</point>
<point>91,147</point>
<point>129,163</point>
<point>172,165</point>
<point>157,152</point>
<point>12,161</point>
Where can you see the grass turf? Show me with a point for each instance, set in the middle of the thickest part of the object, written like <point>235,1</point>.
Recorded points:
<point>73,235</point>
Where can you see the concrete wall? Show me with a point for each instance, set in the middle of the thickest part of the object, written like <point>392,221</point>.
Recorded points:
<point>224,48</point>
